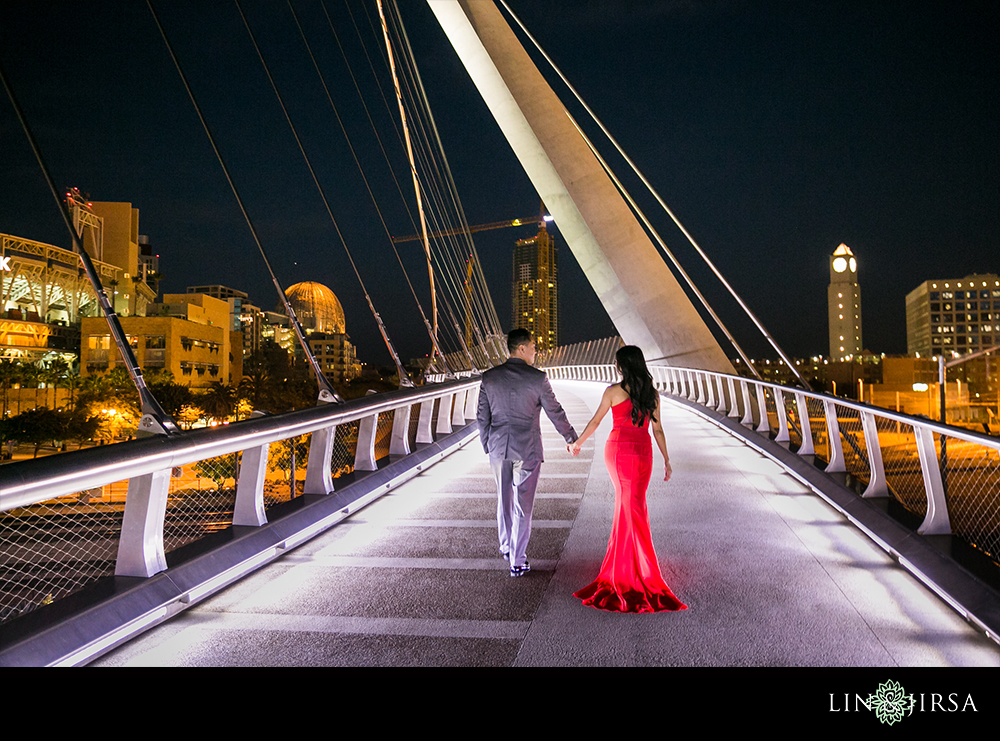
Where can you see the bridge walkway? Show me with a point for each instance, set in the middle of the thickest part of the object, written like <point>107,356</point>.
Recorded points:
<point>772,575</point>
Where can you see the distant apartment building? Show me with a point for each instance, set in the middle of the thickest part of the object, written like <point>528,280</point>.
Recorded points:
<point>245,317</point>
<point>188,334</point>
<point>954,314</point>
<point>335,355</point>
<point>955,317</point>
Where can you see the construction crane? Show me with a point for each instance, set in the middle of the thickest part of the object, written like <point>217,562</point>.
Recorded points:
<point>477,228</point>
<point>541,219</point>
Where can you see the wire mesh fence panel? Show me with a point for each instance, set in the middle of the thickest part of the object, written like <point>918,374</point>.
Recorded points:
<point>52,549</point>
<point>792,418</point>
<point>383,434</point>
<point>901,463</point>
<point>345,446</point>
<point>286,470</point>
<point>852,437</point>
<point>200,501</point>
<point>971,474</point>
<point>817,423</point>
<point>771,410</point>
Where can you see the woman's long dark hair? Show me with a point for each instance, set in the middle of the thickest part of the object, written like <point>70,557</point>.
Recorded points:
<point>638,383</point>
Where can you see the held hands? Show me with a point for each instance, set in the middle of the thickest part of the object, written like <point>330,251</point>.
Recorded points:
<point>574,448</point>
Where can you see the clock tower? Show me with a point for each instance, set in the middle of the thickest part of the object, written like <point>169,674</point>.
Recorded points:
<point>844,302</point>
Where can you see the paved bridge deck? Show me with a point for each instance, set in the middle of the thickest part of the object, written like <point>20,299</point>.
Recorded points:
<point>772,576</point>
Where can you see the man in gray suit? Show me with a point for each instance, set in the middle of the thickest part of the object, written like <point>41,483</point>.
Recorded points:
<point>510,403</point>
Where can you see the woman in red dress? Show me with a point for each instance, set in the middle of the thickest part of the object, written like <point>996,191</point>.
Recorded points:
<point>630,579</point>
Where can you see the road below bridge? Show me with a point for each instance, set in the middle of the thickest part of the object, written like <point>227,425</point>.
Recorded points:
<point>772,575</point>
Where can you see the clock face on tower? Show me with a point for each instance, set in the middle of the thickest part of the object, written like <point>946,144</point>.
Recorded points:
<point>840,264</point>
<point>854,265</point>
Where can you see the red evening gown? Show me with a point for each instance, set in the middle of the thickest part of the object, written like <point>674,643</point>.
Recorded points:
<point>630,579</point>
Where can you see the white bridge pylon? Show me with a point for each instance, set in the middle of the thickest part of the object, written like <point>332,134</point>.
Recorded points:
<point>643,299</point>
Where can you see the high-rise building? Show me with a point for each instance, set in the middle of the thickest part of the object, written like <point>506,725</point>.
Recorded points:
<point>953,315</point>
<point>844,303</point>
<point>535,288</point>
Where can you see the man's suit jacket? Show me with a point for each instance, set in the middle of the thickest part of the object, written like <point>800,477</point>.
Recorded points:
<point>510,403</point>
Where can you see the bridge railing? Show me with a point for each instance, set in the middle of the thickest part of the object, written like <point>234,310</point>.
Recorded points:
<point>68,520</point>
<point>945,477</point>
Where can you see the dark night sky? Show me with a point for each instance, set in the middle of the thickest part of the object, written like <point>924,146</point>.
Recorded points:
<point>775,131</point>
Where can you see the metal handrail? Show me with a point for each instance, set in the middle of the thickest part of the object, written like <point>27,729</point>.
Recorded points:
<point>718,391</point>
<point>608,373</point>
<point>59,533</point>
<point>25,483</point>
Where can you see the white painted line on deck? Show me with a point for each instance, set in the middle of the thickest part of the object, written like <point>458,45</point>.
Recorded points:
<point>387,562</point>
<point>361,625</point>
<point>551,524</point>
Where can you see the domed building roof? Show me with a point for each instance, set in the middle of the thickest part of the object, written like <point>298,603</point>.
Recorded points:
<point>317,307</point>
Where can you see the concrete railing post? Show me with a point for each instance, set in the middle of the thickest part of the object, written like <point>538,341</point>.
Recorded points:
<point>364,453</point>
<point>318,477</point>
<point>763,424</point>
<point>837,462</point>
<point>458,409</point>
<point>936,521</point>
<point>779,407</point>
<point>424,421</point>
<point>400,442</point>
<point>734,411</point>
<point>877,485</point>
<point>444,415</point>
<point>807,436</point>
<point>249,507</point>
<point>747,420</point>
<point>140,546</point>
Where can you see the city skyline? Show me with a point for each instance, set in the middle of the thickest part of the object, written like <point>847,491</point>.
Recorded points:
<point>774,132</point>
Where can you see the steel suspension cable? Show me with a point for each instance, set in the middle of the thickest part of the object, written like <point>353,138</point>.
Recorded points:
<point>326,390</point>
<point>422,104</point>
<point>151,409</point>
<point>419,153</point>
<point>413,170</point>
<point>662,203</point>
<point>419,147</point>
<point>371,194</point>
<point>404,378</point>
<point>666,250</point>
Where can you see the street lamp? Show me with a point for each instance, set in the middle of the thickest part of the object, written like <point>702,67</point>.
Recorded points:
<point>942,366</point>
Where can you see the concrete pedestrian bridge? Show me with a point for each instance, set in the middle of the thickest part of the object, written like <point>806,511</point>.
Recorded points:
<point>773,575</point>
